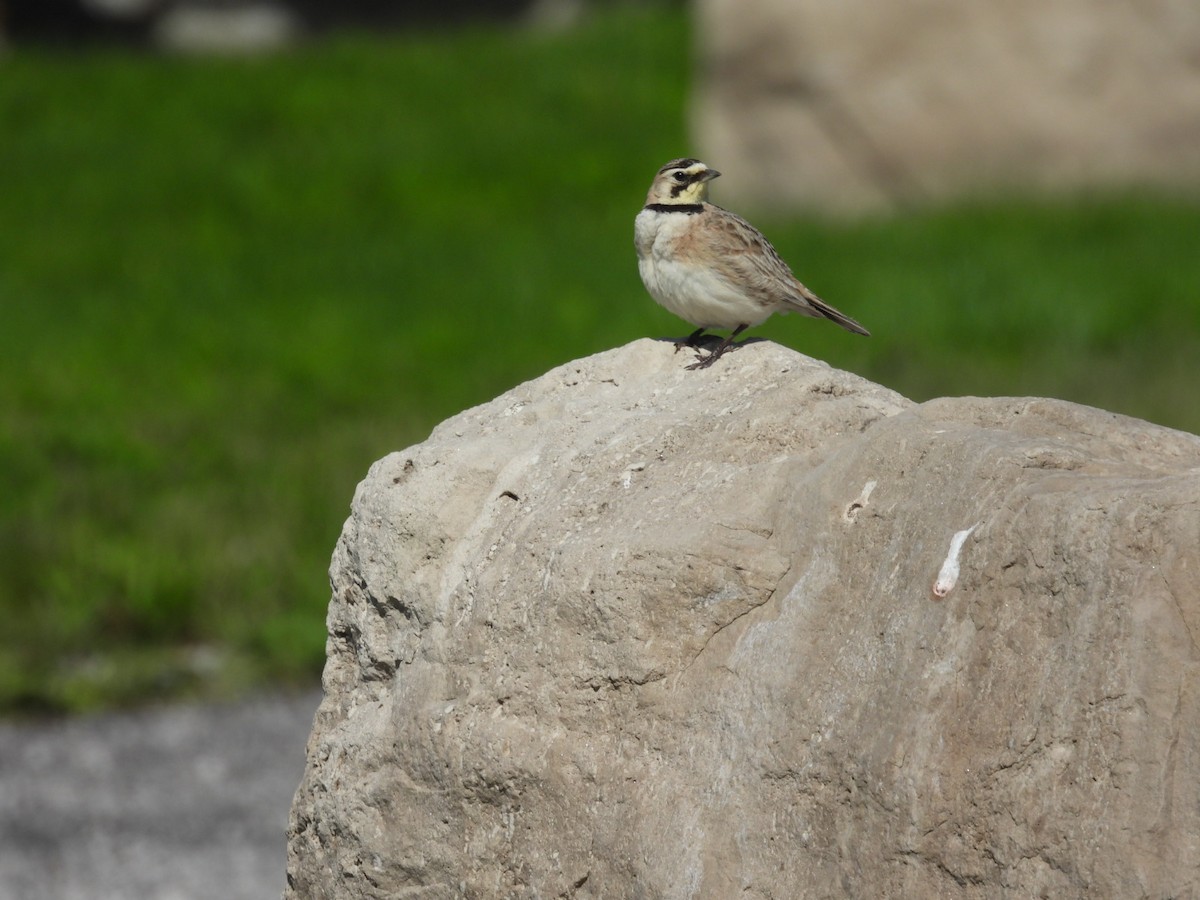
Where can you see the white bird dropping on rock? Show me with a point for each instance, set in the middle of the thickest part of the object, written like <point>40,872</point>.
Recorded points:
<point>948,576</point>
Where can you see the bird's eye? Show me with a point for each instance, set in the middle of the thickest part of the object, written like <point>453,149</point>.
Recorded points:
<point>681,176</point>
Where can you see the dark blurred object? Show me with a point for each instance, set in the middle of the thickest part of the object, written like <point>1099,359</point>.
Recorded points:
<point>75,22</point>
<point>252,24</point>
<point>322,15</point>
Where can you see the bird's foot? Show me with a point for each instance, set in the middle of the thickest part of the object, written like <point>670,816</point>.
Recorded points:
<point>703,362</point>
<point>689,341</point>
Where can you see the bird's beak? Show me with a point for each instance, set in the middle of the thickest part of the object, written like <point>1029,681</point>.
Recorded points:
<point>710,174</point>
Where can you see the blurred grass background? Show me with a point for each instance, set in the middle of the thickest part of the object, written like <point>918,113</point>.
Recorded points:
<point>229,285</point>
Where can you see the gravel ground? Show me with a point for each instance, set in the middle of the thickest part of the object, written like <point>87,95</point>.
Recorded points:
<point>163,804</point>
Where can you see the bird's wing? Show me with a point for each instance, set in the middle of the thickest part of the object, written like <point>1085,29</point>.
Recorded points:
<point>743,256</point>
<point>746,258</point>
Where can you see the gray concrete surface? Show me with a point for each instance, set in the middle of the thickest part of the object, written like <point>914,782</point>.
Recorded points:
<point>173,803</point>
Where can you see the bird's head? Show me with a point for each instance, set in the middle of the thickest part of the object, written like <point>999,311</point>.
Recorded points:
<point>681,181</point>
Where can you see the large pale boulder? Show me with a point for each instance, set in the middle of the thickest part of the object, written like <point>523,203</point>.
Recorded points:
<point>857,105</point>
<point>634,631</point>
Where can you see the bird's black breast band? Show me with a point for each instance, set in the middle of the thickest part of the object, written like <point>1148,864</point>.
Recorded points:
<point>690,208</point>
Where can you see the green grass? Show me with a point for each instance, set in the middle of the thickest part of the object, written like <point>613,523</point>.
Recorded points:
<point>1095,300</point>
<point>228,286</point>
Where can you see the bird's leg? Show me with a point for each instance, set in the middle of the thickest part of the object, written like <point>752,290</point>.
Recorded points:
<point>690,340</point>
<point>706,361</point>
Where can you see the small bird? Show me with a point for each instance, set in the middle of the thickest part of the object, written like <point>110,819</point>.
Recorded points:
<point>711,267</point>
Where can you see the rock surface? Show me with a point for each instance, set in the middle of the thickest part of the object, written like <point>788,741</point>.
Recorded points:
<point>634,631</point>
<point>859,105</point>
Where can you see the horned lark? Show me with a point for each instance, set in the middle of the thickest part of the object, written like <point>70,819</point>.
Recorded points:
<point>713,268</point>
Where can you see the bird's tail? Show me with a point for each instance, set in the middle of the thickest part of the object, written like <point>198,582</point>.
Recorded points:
<point>841,318</point>
<point>814,306</point>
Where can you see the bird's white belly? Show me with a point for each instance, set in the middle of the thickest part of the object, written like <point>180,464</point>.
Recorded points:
<point>697,295</point>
